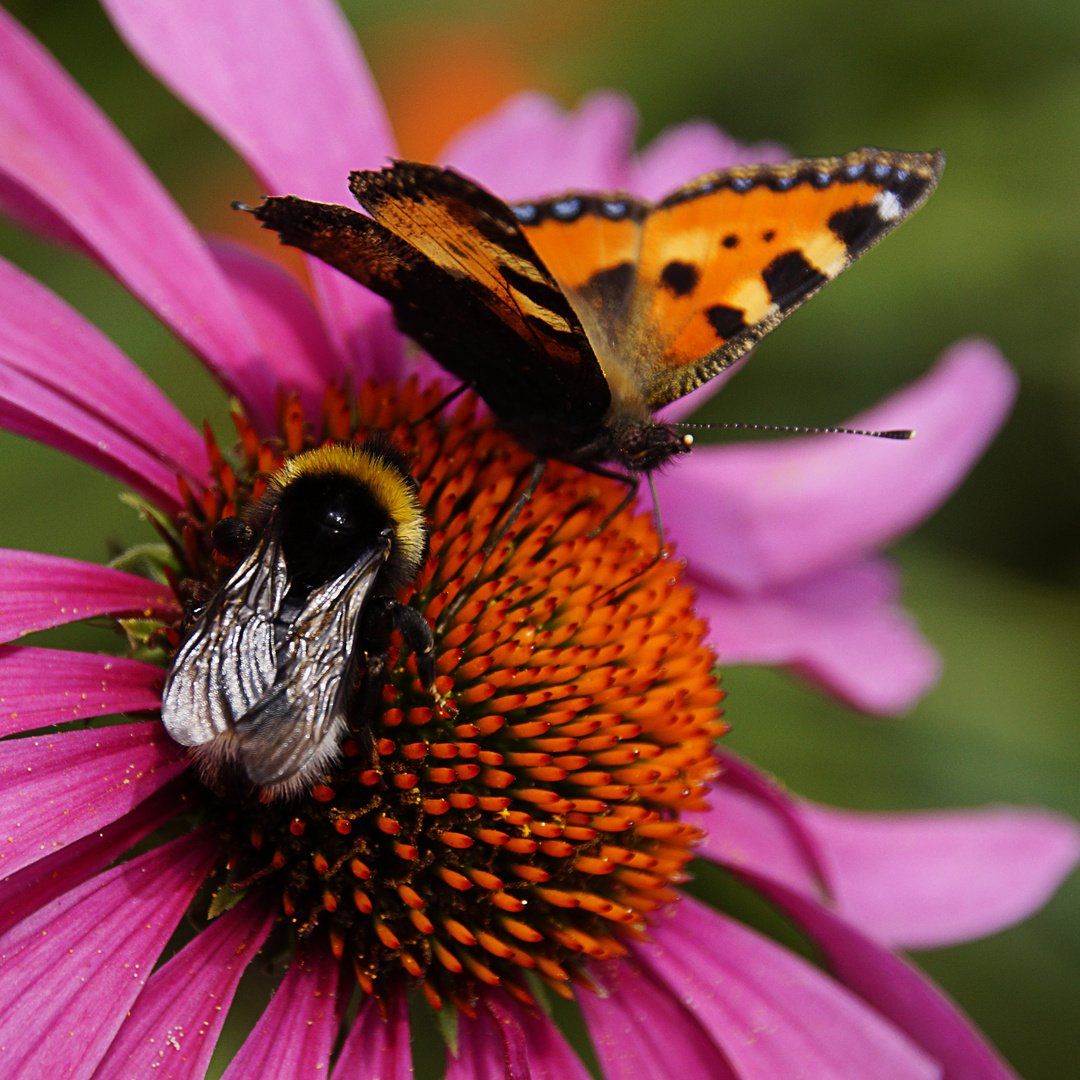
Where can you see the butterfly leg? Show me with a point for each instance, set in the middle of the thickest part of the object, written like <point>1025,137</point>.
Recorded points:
<point>633,483</point>
<point>538,469</point>
<point>443,402</point>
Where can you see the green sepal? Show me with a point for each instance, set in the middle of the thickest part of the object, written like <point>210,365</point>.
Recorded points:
<point>448,1028</point>
<point>224,898</point>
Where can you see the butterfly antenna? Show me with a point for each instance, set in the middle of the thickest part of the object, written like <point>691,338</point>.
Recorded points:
<point>903,433</point>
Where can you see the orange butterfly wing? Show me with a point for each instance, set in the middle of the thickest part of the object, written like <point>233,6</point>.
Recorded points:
<point>681,290</point>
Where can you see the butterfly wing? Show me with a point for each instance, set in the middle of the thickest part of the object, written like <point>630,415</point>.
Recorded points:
<point>464,283</point>
<point>681,290</point>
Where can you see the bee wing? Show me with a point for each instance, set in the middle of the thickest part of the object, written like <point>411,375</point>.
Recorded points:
<point>227,664</point>
<point>295,729</point>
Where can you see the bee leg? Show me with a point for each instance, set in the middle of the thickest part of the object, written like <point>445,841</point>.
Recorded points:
<point>414,628</point>
<point>366,705</point>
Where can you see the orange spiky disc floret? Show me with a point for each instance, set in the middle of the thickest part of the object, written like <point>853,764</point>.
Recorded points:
<point>540,823</point>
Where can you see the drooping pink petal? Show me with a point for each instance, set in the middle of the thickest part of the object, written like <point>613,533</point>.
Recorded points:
<point>40,413</point>
<point>73,969</point>
<point>755,824</point>
<point>59,151</point>
<point>177,1019</point>
<point>682,153</point>
<point>39,687</point>
<point>842,629</point>
<point>23,893</point>
<point>908,880</point>
<point>46,590</point>
<point>48,341</point>
<point>772,1013</point>
<point>507,1041</point>
<point>378,1048</point>
<point>895,988</point>
<point>639,1028</point>
<point>756,516</point>
<point>291,335</point>
<point>296,1033</point>
<point>924,880</point>
<point>292,93</point>
<point>58,788</point>
<point>532,147</point>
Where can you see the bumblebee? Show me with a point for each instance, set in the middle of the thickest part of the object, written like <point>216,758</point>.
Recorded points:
<point>290,653</point>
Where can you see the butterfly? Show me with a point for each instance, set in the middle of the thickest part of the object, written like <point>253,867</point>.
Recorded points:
<point>577,317</point>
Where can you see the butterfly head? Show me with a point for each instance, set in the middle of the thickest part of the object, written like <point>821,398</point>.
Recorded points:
<point>645,445</point>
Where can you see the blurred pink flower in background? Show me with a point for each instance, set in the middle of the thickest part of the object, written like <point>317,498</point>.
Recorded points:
<point>781,542</point>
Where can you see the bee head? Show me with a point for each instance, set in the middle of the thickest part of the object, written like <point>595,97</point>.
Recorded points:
<point>330,504</point>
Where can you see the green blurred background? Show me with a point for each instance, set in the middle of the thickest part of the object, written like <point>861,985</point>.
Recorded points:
<point>994,578</point>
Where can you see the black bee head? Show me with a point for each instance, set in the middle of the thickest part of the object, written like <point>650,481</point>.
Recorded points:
<point>332,504</point>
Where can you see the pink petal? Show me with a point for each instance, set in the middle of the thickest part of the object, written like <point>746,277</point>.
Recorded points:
<point>377,1048</point>
<point>73,970</point>
<point>291,334</point>
<point>772,1013</point>
<point>294,1036</point>
<point>640,1029</point>
<point>842,629</point>
<point>59,151</point>
<point>896,989</point>
<point>921,881</point>
<point>48,341</point>
<point>177,1019</point>
<point>35,217</point>
<point>37,412</point>
<point>753,824</point>
<point>291,92</point>
<point>510,1042</point>
<point>756,516</point>
<point>912,880</point>
<point>58,788</point>
<point>36,885</point>
<point>679,154</point>
<point>39,687</point>
<point>531,147</point>
<point>45,590</point>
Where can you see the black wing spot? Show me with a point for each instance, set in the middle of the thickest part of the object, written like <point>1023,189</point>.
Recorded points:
<point>789,278</point>
<point>726,321</point>
<point>680,277</point>
<point>857,226</point>
<point>611,281</point>
<point>768,236</point>
<point>730,241</point>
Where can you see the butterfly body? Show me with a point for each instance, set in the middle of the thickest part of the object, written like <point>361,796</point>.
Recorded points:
<point>577,317</point>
